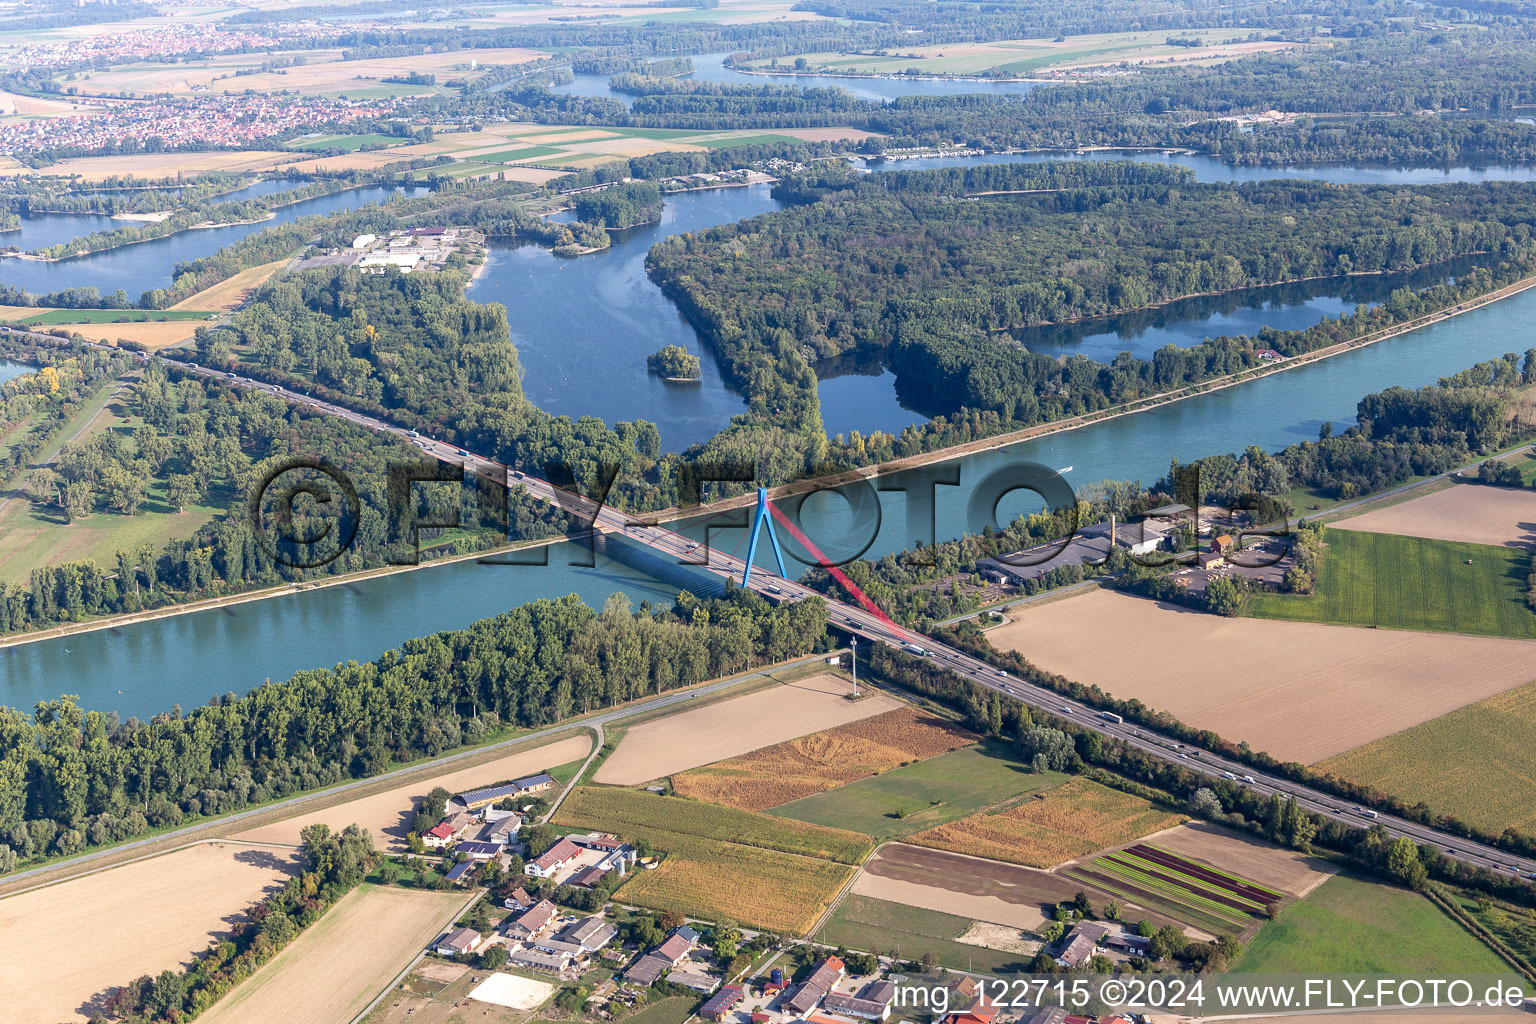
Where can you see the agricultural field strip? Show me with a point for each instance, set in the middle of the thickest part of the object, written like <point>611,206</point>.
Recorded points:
<point>1182,887</point>
<point>1157,902</point>
<point>1248,892</point>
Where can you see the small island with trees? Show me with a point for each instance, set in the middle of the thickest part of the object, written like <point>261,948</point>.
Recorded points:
<point>675,363</point>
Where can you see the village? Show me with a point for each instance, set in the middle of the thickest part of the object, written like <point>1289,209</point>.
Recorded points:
<point>522,941</point>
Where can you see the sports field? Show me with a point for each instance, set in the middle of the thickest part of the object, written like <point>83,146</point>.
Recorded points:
<point>1381,579</point>
<point>1473,513</point>
<point>1351,926</point>
<point>675,743</point>
<point>342,961</point>
<point>92,933</point>
<point>388,815</point>
<point>1022,57</point>
<point>1429,763</point>
<point>1301,691</point>
<point>861,922</point>
<point>1052,827</point>
<point>821,761</point>
<point>924,794</point>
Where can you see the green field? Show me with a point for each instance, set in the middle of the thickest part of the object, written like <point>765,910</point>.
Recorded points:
<point>1527,464</point>
<point>1174,892</point>
<point>114,316</point>
<point>732,141</point>
<point>634,812</point>
<point>1428,763</point>
<point>1351,926</point>
<point>1381,579</point>
<point>350,143</point>
<point>928,793</point>
<point>868,924</point>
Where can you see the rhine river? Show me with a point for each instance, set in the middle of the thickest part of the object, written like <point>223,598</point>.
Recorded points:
<point>145,668</point>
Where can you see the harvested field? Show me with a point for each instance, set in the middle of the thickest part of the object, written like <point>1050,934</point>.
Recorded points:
<point>1473,513</point>
<point>827,134</point>
<point>812,764</point>
<point>342,961</point>
<point>1300,691</point>
<point>727,728</point>
<point>388,815</point>
<point>864,923</point>
<point>781,892</point>
<point>1056,826</point>
<point>140,918</point>
<point>232,291</point>
<point>1289,871</point>
<point>36,106</point>
<point>993,936</point>
<point>1494,791</point>
<point>152,335</point>
<point>165,165</point>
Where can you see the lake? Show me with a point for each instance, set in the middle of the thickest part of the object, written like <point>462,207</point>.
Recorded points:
<point>142,266</point>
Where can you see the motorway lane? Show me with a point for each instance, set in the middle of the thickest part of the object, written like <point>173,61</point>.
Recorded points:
<point>855,620</point>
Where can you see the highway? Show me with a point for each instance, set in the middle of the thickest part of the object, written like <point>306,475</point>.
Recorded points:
<point>857,621</point>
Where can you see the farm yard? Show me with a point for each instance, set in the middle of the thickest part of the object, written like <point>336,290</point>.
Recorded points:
<point>724,729</point>
<point>1023,57</point>
<point>1300,691</point>
<point>339,963</point>
<point>139,918</point>
<point>1428,763</point>
<point>864,923</point>
<point>387,815</point>
<point>1055,826</point>
<point>1149,876</point>
<point>1381,579</point>
<point>1470,513</point>
<point>1351,926</point>
<point>833,757</point>
<point>924,794</point>
<point>763,871</point>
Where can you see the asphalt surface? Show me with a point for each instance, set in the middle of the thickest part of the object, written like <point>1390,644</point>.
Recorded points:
<point>855,620</point>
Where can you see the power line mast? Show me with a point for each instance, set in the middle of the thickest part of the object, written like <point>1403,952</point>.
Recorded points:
<point>853,661</point>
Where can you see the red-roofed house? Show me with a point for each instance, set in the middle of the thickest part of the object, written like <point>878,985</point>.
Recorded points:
<point>982,1011</point>
<point>553,859</point>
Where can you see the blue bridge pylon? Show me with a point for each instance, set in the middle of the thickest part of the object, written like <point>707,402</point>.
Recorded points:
<point>763,516</point>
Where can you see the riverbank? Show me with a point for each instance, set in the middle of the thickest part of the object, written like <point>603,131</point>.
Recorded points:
<point>922,76</point>
<point>262,594</point>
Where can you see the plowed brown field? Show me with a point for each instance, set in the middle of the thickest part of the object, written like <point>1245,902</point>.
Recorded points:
<point>1503,516</point>
<point>825,760</point>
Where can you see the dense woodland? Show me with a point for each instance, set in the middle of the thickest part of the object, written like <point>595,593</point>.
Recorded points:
<point>71,778</point>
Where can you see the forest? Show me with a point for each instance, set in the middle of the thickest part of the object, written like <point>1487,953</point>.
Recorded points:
<point>926,268</point>
<point>71,778</point>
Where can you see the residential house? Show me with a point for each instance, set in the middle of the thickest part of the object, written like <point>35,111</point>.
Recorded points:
<point>980,1011</point>
<point>1082,943</point>
<point>719,1005</point>
<point>519,900</point>
<point>553,859</point>
<point>674,948</point>
<point>478,850</point>
<point>460,940</point>
<point>533,921</point>
<point>438,836</point>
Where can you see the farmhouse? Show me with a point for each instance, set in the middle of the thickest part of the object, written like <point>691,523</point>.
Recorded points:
<point>694,980</point>
<point>721,1003</point>
<point>815,987</point>
<point>1082,942</point>
<point>677,946</point>
<point>460,940</point>
<point>872,1003</point>
<point>474,799</point>
<point>552,859</point>
<point>533,921</point>
<point>590,934</point>
<point>555,947</point>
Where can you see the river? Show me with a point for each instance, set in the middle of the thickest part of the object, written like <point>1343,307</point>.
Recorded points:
<point>143,266</point>
<point>188,659</point>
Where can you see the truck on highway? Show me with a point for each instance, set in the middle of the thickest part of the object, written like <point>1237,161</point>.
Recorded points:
<point>1366,812</point>
<point>914,649</point>
<point>1110,716</point>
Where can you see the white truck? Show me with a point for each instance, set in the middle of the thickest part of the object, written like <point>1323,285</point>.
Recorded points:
<point>1110,716</point>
